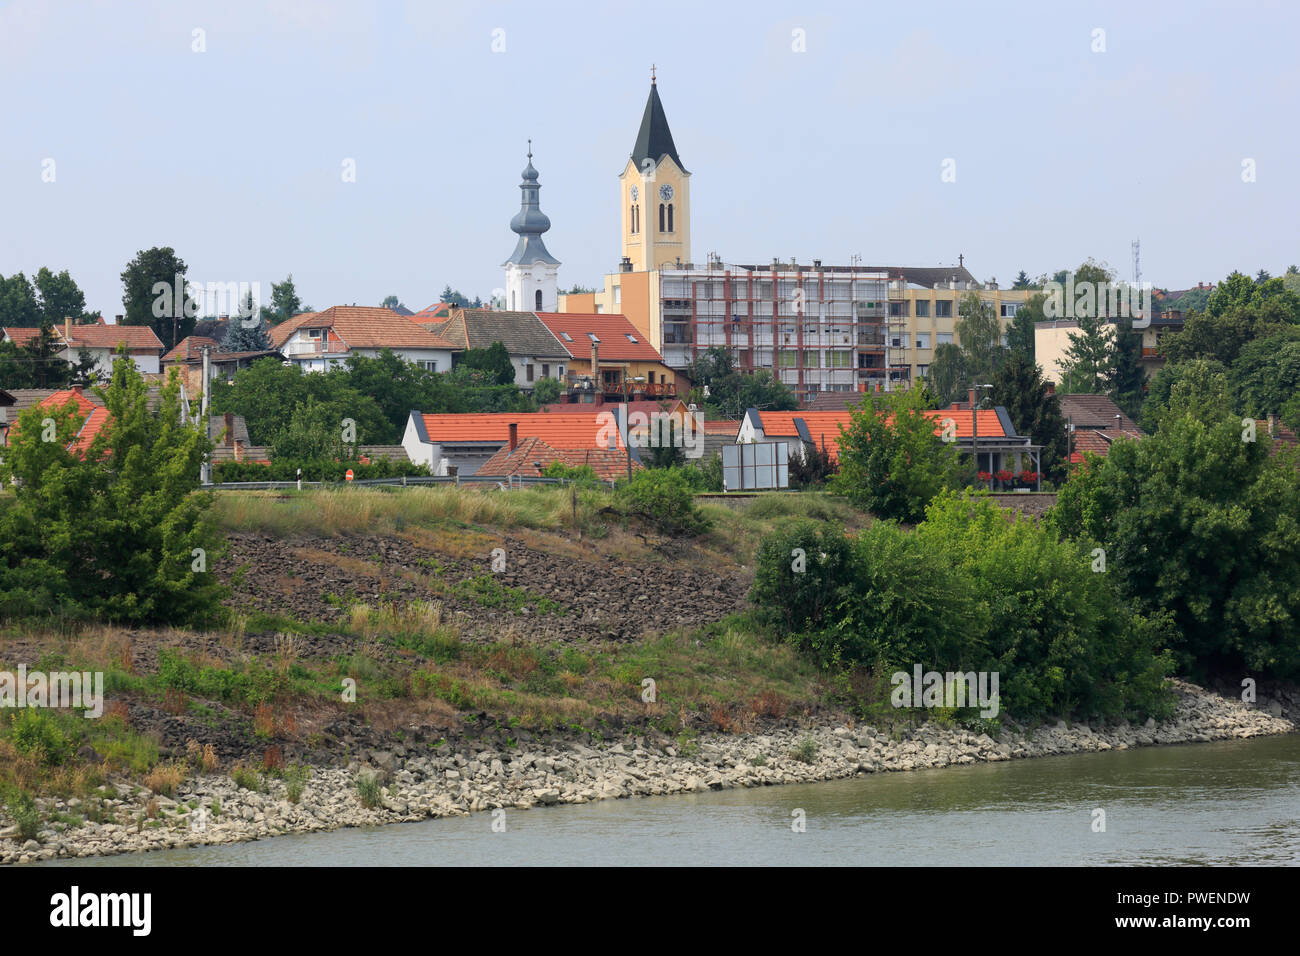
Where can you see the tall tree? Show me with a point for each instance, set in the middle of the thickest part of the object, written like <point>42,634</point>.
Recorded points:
<point>1087,363</point>
<point>949,378</point>
<point>59,296</point>
<point>1034,410</point>
<point>18,304</point>
<point>156,294</point>
<point>1023,281</point>
<point>285,303</point>
<point>494,360</point>
<point>245,331</point>
<point>1127,376</point>
<point>980,336</point>
<point>390,302</point>
<point>1020,334</point>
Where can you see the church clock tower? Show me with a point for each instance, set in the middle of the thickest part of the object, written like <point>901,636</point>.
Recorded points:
<point>655,195</point>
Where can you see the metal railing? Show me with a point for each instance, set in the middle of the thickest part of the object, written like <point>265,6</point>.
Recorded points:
<point>505,482</point>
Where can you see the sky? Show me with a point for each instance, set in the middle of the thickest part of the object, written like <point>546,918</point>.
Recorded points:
<point>1066,131</point>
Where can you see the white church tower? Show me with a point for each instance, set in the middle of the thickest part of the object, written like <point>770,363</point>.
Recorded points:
<point>531,271</point>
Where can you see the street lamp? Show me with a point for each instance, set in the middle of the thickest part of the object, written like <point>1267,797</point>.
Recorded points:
<point>975,434</point>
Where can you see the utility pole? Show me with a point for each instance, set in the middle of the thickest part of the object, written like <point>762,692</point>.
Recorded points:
<point>205,473</point>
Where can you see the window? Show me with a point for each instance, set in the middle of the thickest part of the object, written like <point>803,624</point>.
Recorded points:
<point>661,217</point>
<point>923,371</point>
<point>922,308</point>
<point>593,337</point>
<point>810,358</point>
<point>943,338</point>
<point>895,341</point>
<point>528,372</point>
<point>1009,309</point>
<point>670,217</point>
<point>538,299</point>
<point>898,310</point>
<point>786,359</point>
<point>546,370</point>
<point>1004,340</point>
<point>618,295</point>
<point>839,359</point>
<point>429,366</point>
<point>943,309</point>
<point>922,340</point>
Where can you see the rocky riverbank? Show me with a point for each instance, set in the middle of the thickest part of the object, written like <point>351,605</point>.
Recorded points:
<point>408,785</point>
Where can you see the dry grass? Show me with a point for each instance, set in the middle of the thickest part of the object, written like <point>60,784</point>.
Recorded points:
<point>264,720</point>
<point>166,777</point>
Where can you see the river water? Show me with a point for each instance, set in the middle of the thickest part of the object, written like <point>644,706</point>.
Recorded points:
<point>1219,803</point>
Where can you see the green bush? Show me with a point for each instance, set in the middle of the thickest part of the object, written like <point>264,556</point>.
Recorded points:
<point>117,530</point>
<point>37,733</point>
<point>286,469</point>
<point>663,498</point>
<point>973,588</point>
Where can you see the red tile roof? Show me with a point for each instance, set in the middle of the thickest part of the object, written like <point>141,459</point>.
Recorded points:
<point>190,347</point>
<point>138,338</point>
<point>20,336</point>
<point>279,334</point>
<point>369,327</point>
<point>93,417</point>
<point>532,455</point>
<point>826,425</point>
<point>612,330</point>
<point>559,430</point>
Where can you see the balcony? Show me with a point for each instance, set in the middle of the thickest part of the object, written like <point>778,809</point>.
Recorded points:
<point>314,348</point>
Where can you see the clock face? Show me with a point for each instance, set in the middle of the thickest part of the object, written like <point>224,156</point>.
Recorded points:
<point>665,192</point>
<point>635,193</point>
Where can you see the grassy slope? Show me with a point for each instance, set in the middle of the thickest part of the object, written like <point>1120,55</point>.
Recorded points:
<point>408,659</point>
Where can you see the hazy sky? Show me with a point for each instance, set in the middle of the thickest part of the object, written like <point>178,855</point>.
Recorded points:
<point>234,155</point>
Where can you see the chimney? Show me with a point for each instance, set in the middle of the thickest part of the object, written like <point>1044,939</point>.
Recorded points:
<point>817,264</point>
<point>972,398</point>
<point>67,330</point>
<point>625,265</point>
<point>595,365</point>
<point>514,436</point>
<point>230,429</point>
<point>1272,425</point>
<point>239,451</point>
<point>119,318</point>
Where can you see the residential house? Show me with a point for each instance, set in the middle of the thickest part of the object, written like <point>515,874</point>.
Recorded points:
<point>462,443</point>
<point>318,341</point>
<point>1093,423</point>
<point>531,456</point>
<point>534,352</point>
<point>188,357</point>
<point>610,359</point>
<point>100,341</point>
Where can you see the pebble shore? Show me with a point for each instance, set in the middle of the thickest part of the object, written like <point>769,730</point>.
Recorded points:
<point>211,809</point>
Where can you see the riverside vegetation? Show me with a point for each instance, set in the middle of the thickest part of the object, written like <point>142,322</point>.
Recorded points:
<point>358,655</point>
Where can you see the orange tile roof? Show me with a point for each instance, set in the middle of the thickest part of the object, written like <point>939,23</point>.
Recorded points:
<point>532,455</point>
<point>372,327</point>
<point>279,334</point>
<point>612,330</point>
<point>138,338</point>
<point>93,417</point>
<point>721,427</point>
<point>559,430</point>
<point>826,425</point>
<point>20,336</point>
<point>190,347</point>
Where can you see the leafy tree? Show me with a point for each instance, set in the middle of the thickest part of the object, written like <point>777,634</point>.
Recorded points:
<point>1266,374</point>
<point>494,360</point>
<point>1196,521</point>
<point>547,390</point>
<point>1127,376</point>
<point>1240,290</point>
<point>1262,276</point>
<point>455,298</point>
<point>1020,335</point>
<point>813,469</point>
<point>891,461</point>
<point>1034,410</point>
<point>949,377</point>
<point>1202,380</point>
<point>312,434</point>
<point>18,304</point>
<point>122,532</point>
<point>59,297</point>
<point>980,337</point>
<point>731,391</point>
<point>662,497</point>
<point>152,298</point>
<point>285,303</point>
<point>391,302</point>
<point>243,337</point>
<point>1087,364</point>
<point>577,290</point>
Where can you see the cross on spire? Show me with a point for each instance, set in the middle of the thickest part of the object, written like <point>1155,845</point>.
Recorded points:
<point>530,150</point>
<point>961,259</point>
<point>652,74</point>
